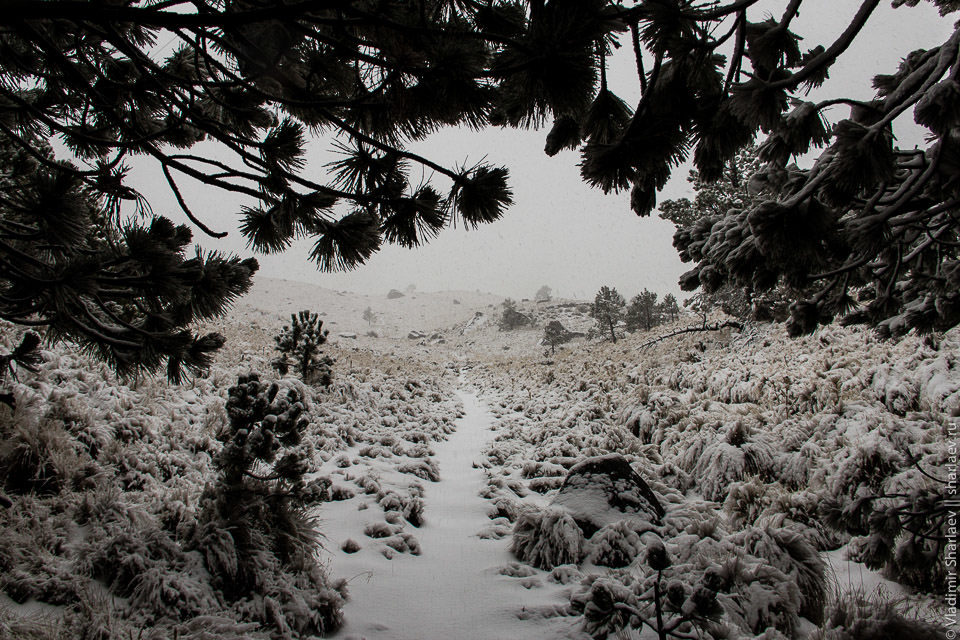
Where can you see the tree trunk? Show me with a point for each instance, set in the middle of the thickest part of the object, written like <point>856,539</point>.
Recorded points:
<point>613,336</point>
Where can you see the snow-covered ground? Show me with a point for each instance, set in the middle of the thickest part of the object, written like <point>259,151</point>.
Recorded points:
<point>443,443</point>
<point>455,587</point>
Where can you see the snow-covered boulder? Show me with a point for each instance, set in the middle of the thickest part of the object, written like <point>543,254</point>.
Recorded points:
<point>602,490</point>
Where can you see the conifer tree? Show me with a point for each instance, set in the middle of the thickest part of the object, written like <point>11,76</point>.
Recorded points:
<point>669,308</point>
<point>642,313</point>
<point>512,319</point>
<point>607,310</point>
<point>739,188</point>
<point>299,345</point>
<point>127,294</point>
<point>555,333</point>
<point>869,230</point>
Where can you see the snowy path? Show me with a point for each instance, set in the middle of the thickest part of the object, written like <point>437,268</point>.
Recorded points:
<point>454,589</point>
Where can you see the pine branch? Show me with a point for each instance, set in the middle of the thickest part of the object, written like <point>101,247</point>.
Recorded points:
<point>717,326</point>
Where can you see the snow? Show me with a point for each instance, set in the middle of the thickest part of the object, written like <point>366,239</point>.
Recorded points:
<point>456,587</point>
<point>430,472</point>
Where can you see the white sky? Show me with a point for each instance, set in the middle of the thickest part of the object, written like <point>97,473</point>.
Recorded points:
<point>560,232</point>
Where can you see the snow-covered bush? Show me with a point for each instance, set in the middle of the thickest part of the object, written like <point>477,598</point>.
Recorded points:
<point>31,553</point>
<point>730,458</point>
<point>254,529</point>
<point>854,618</point>
<point>37,453</point>
<point>547,538</point>
<point>616,545</point>
<point>901,533</point>
<point>787,550</point>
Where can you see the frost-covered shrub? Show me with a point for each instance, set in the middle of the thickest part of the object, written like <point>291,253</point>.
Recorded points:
<point>380,530</point>
<point>339,493</point>
<point>787,550</point>
<point>504,508</point>
<point>601,614</point>
<point>616,545</point>
<point>547,538</point>
<point>173,592</point>
<point>411,506</point>
<point>746,501</point>
<point>425,469</point>
<point>853,618</point>
<point>566,574</point>
<point>36,452</point>
<point>865,466</point>
<point>31,554</point>
<point>254,528</point>
<point>403,543</point>
<point>729,459</point>
<point>756,596</point>
<point>543,485</point>
<point>901,534</point>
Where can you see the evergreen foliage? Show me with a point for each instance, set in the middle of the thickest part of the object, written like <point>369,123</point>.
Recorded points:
<point>125,294</point>
<point>544,294</point>
<point>607,310</point>
<point>669,309</point>
<point>739,188</point>
<point>642,312</point>
<point>512,319</point>
<point>554,333</point>
<point>253,528</point>
<point>299,345</point>
<point>869,232</point>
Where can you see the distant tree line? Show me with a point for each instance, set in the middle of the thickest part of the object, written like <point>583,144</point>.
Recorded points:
<point>643,312</point>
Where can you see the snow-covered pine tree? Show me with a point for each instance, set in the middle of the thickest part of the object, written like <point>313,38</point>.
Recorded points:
<point>642,312</point>
<point>127,294</point>
<point>555,333</point>
<point>299,345</point>
<point>870,229</point>
<point>607,310</point>
<point>512,319</point>
<point>254,529</point>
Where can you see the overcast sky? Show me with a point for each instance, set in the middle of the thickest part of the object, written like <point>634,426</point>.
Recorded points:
<point>560,232</point>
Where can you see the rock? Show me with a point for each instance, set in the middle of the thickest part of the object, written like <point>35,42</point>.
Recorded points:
<point>602,490</point>
<point>348,336</point>
<point>394,294</point>
<point>416,335</point>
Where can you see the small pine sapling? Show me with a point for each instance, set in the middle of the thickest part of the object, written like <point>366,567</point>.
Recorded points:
<point>669,608</point>
<point>254,528</point>
<point>299,346</point>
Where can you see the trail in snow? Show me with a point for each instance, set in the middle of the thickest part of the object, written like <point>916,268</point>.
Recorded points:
<point>454,589</point>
